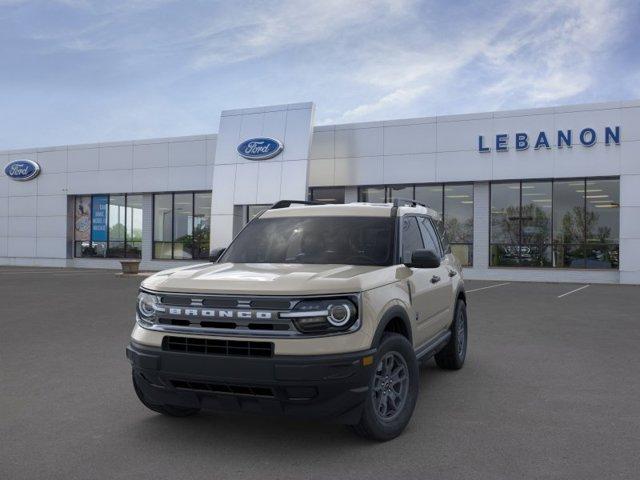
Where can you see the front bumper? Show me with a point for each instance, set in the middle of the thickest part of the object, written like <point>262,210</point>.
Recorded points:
<point>322,386</point>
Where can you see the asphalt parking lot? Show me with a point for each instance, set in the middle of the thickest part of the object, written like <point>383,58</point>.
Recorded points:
<point>551,389</point>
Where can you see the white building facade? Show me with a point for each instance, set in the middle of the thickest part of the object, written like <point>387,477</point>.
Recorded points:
<point>548,194</point>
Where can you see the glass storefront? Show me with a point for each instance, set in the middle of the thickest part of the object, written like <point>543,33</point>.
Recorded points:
<point>327,194</point>
<point>372,194</point>
<point>181,225</point>
<point>108,226</point>
<point>561,224</point>
<point>454,202</point>
<point>570,223</point>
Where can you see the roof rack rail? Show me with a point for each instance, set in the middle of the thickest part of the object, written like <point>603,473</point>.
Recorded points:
<point>404,202</point>
<point>288,203</point>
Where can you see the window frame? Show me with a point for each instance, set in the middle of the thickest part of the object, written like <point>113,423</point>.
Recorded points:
<point>124,241</point>
<point>435,237</point>
<point>401,234</point>
<point>173,216</point>
<point>553,245</point>
<point>313,190</point>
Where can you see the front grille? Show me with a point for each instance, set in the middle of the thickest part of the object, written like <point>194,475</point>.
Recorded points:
<point>276,325</point>
<point>215,302</point>
<point>223,388</point>
<point>206,346</point>
<point>227,316</point>
<point>176,300</point>
<point>271,304</point>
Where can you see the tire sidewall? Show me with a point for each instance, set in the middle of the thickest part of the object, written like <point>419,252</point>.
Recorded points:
<point>461,315</point>
<point>387,430</point>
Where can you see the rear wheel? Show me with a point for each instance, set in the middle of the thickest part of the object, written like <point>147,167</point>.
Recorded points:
<point>453,355</point>
<point>170,410</point>
<point>393,390</point>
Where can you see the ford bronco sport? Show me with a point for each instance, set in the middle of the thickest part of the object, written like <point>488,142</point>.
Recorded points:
<point>315,311</point>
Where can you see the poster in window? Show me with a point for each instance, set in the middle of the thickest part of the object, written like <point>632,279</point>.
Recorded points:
<point>83,219</point>
<point>99,218</point>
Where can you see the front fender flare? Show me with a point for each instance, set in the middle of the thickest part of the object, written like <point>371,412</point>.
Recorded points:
<point>396,311</point>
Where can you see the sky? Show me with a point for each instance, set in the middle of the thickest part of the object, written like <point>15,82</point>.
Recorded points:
<point>80,71</point>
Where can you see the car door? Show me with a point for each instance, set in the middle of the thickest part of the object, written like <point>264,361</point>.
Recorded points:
<point>442,295</point>
<point>421,284</point>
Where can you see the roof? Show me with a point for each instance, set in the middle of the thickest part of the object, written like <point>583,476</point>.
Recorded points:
<point>355,209</point>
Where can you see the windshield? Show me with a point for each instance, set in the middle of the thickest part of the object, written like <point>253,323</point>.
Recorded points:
<point>320,240</point>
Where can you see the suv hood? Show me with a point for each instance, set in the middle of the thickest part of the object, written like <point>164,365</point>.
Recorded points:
<point>271,278</point>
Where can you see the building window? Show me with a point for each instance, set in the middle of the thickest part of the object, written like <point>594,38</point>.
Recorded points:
<point>372,194</point>
<point>561,224</point>
<point>457,214</point>
<point>133,231</point>
<point>327,194</point>
<point>400,191</point>
<point>253,210</point>
<point>454,202</point>
<point>181,225</point>
<point>430,195</point>
<point>163,225</point>
<point>108,226</point>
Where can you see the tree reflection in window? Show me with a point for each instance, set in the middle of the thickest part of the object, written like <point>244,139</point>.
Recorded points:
<point>571,223</point>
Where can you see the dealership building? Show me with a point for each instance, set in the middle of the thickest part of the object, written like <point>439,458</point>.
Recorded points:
<point>549,194</point>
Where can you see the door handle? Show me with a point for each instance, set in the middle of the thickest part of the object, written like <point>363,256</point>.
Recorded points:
<point>435,279</point>
<point>452,273</point>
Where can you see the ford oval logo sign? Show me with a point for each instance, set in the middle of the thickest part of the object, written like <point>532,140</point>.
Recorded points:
<point>260,148</point>
<point>22,170</point>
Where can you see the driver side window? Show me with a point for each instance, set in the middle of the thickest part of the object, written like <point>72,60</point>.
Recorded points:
<point>429,236</point>
<point>411,238</point>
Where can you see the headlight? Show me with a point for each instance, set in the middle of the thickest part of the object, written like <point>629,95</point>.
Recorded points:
<point>324,316</point>
<point>146,307</point>
<point>340,314</point>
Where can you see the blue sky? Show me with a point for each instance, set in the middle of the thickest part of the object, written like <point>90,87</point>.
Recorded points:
<point>76,71</point>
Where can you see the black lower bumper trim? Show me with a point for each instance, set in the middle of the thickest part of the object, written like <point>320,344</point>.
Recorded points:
<point>323,386</point>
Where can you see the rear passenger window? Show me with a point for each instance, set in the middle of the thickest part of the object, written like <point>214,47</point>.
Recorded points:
<point>411,238</point>
<point>429,235</point>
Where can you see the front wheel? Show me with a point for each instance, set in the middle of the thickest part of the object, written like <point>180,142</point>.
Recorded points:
<point>393,390</point>
<point>453,355</point>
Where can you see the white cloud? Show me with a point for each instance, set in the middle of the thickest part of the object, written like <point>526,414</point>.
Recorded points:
<point>543,52</point>
<point>551,57</point>
<point>395,99</point>
<point>358,59</point>
<point>247,33</point>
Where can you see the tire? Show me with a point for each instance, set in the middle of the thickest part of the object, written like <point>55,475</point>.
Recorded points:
<point>380,421</point>
<point>453,355</point>
<point>169,410</point>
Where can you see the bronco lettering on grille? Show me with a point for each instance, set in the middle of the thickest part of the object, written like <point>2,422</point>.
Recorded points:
<point>216,313</point>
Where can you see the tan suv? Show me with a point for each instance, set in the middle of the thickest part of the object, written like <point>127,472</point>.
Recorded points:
<point>315,311</point>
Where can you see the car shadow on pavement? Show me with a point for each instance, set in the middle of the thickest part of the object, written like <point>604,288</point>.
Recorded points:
<point>241,430</point>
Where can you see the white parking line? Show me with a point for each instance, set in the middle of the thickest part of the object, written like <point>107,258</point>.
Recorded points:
<point>490,286</point>
<point>573,291</point>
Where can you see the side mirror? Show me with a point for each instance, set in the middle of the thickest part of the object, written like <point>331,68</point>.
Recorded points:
<point>215,254</point>
<point>424,259</point>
